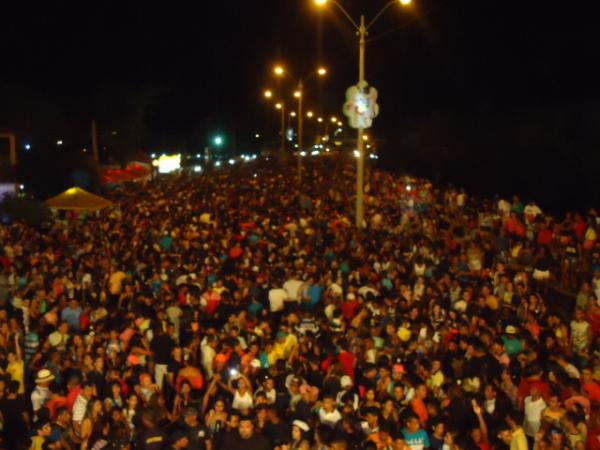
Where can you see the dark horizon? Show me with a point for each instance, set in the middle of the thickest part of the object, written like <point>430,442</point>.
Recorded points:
<point>457,80</point>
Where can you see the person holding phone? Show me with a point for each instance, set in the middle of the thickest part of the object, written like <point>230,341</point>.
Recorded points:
<point>243,399</point>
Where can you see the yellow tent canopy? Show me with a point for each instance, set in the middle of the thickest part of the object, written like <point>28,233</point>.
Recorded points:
<point>78,199</point>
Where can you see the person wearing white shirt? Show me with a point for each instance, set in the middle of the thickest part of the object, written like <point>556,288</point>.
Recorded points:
<point>208,355</point>
<point>80,405</point>
<point>534,405</point>
<point>328,415</point>
<point>277,297</point>
<point>292,288</point>
<point>41,393</point>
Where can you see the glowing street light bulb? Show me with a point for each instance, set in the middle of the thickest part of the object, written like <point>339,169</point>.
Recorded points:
<point>405,2</point>
<point>268,94</point>
<point>297,94</point>
<point>293,114</point>
<point>322,71</point>
<point>334,119</point>
<point>365,137</point>
<point>340,123</point>
<point>320,2</point>
<point>320,119</point>
<point>278,105</point>
<point>278,70</point>
<point>309,114</point>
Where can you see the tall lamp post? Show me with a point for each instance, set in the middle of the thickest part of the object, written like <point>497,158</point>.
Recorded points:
<point>299,94</point>
<point>281,107</point>
<point>362,32</point>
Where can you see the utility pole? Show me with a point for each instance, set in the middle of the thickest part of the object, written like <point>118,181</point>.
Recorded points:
<point>300,128</point>
<point>360,163</point>
<point>282,148</point>
<point>95,142</point>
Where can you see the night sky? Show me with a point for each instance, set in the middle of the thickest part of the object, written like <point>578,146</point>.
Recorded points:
<point>208,62</point>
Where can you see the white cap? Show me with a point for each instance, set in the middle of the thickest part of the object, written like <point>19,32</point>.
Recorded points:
<point>301,424</point>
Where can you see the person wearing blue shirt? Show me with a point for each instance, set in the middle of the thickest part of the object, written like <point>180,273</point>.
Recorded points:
<point>71,314</point>
<point>416,437</point>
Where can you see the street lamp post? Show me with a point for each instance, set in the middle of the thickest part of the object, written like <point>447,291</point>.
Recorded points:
<point>362,31</point>
<point>360,162</point>
<point>299,94</point>
<point>281,108</point>
<point>300,128</point>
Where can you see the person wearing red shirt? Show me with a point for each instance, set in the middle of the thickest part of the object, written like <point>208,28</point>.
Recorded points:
<point>529,383</point>
<point>545,235</point>
<point>347,359</point>
<point>590,386</point>
<point>350,306</point>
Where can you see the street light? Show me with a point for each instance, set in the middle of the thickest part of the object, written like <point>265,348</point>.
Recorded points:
<point>299,94</point>
<point>334,119</point>
<point>362,31</point>
<point>281,107</point>
<point>293,114</point>
<point>309,114</point>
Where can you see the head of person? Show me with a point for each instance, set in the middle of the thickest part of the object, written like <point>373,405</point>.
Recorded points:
<point>412,423</point>
<point>88,389</point>
<point>190,416</point>
<point>300,430</point>
<point>246,427</point>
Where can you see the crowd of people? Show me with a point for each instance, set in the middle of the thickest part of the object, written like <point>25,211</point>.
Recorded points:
<point>241,310</point>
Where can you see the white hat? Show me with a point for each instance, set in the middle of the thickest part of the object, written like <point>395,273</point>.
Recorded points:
<point>55,339</point>
<point>301,424</point>
<point>44,376</point>
<point>345,381</point>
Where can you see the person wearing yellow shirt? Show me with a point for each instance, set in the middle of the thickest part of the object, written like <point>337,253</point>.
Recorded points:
<point>44,430</point>
<point>283,347</point>
<point>16,366</point>
<point>514,435</point>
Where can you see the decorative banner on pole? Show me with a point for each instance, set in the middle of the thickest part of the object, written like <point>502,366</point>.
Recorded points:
<point>361,105</point>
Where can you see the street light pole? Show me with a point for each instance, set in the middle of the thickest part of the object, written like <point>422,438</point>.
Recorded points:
<point>300,128</point>
<point>282,148</point>
<point>360,163</point>
<point>362,31</point>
